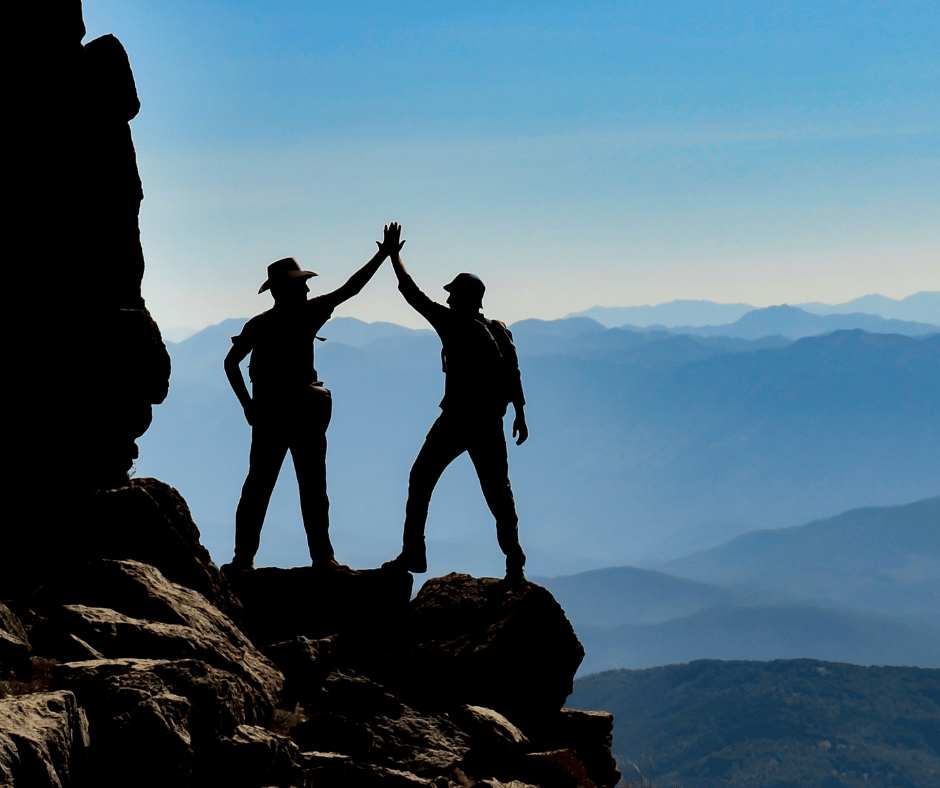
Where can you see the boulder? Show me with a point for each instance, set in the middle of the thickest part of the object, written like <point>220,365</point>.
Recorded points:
<point>54,642</point>
<point>494,783</point>
<point>115,635</point>
<point>41,737</point>
<point>252,757</point>
<point>492,732</point>
<point>305,664</point>
<point>333,769</point>
<point>145,520</point>
<point>380,728</point>
<point>14,646</point>
<point>148,521</point>
<point>111,88</point>
<point>219,701</point>
<point>553,769</point>
<point>486,642</point>
<point>129,609</point>
<point>330,732</point>
<point>587,733</point>
<point>353,695</point>
<point>367,608</point>
<point>158,722</point>
<point>176,709</point>
<point>424,744</point>
<point>495,743</point>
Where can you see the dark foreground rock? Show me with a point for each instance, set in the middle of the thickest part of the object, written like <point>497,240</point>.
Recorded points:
<point>43,738</point>
<point>14,645</point>
<point>148,521</point>
<point>329,677</point>
<point>305,664</point>
<point>144,520</point>
<point>463,686</point>
<point>367,608</point>
<point>490,643</point>
<point>588,734</point>
<point>253,756</point>
<point>158,720</point>
<point>129,609</point>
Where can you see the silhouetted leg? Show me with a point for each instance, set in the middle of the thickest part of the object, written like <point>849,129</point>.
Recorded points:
<point>268,447</point>
<point>487,450</point>
<point>308,450</point>
<point>443,444</point>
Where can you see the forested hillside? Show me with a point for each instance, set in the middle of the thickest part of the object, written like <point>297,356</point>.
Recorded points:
<point>782,724</point>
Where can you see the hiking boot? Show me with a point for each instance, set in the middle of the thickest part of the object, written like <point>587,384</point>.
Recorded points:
<point>409,561</point>
<point>236,566</point>
<point>514,564</point>
<point>330,564</point>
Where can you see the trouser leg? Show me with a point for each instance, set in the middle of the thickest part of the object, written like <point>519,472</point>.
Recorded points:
<point>488,452</point>
<point>308,451</point>
<point>441,446</point>
<point>268,447</point>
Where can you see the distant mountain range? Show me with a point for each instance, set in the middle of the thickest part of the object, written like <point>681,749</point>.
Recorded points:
<point>884,559</point>
<point>760,633</point>
<point>862,587</point>
<point>713,724</point>
<point>795,323</point>
<point>923,307</point>
<point>643,447</point>
<point>614,596</point>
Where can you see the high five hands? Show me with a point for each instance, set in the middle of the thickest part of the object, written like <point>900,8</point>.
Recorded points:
<point>391,242</point>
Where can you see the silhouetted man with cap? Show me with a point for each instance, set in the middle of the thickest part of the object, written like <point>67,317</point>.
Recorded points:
<point>482,378</point>
<point>289,410</point>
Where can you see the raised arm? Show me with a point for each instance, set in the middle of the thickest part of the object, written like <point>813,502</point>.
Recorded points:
<point>406,285</point>
<point>358,280</point>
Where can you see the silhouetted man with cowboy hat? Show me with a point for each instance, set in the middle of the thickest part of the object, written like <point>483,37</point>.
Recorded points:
<point>289,409</point>
<point>481,379</point>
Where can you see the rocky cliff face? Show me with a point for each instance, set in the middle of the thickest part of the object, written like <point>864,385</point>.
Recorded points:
<point>114,674</point>
<point>126,657</point>
<point>85,359</point>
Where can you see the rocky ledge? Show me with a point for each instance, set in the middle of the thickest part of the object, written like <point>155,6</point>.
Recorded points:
<point>143,665</point>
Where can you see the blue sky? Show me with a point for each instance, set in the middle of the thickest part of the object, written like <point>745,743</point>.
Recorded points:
<point>571,154</point>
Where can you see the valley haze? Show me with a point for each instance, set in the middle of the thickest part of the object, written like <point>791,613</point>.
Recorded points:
<point>686,493</point>
<point>669,442</point>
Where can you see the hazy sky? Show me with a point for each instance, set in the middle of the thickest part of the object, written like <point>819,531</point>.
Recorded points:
<point>571,154</point>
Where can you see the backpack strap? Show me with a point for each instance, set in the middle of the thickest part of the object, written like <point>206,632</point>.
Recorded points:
<point>500,335</point>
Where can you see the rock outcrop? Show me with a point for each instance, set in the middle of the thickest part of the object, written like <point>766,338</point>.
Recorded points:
<point>88,361</point>
<point>504,646</point>
<point>14,645</point>
<point>42,739</point>
<point>366,608</point>
<point>345,682</point>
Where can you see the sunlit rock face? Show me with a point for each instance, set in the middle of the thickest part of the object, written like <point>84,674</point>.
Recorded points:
<point>149,677</point>
<point>144,668</point>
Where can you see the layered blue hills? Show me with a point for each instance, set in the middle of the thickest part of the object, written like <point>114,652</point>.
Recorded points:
<point>861,587</point>
<point>644,447</point>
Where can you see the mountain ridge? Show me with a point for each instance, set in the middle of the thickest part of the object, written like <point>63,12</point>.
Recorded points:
<point>795,323</point>
<point>923,306</point>
<point>746,439</point>
<point>885,559</point>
